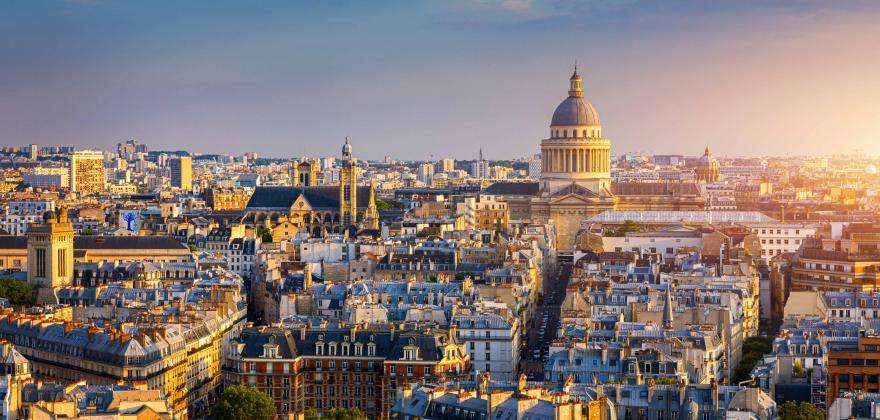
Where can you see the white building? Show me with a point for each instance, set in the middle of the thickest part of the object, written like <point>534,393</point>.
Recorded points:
<point>665,242</point>
<point>781,237</point>
<point>480,169</point>
<point>493,344</point>
<point>21,213</point>
<point>535,166</point>
<point>426,173</point>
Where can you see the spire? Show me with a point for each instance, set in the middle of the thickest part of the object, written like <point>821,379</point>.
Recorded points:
<point>576,90</point>
<point>667,308</point>
<point>346,149</point>
<point>707,152</point>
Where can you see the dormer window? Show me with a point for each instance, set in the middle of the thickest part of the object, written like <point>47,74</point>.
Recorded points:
<point>270,351</point>
<point>319,348</point>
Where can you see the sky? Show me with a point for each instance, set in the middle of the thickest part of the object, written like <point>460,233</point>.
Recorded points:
<point>432,79</point>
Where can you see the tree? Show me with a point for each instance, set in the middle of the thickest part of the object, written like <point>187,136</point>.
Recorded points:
<point>335,414</point>
<point>264,234</point>
<point>388,204</point>
<point>800,411</point>
<point>240,402</point>
<point>17,292</point>
<point>797,368</point>
<point>753,349</point>
<point>627,227</point>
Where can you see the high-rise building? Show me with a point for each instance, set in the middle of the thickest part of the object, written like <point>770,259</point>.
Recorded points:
<point>535,167</point>
<point>446,165</point>
<point>426,173</point>
<point>87,172</point>
<point>128,149</point>
<point>33,151</point>
<point>181,172</point>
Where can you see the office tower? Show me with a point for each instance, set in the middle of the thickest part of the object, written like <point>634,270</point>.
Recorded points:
<point>181,172</point>
<point>87,172</point>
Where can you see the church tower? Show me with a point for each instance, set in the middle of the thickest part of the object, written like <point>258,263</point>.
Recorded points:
<point>348,176</point>
<point>304,173</point>
<point>50,255</point>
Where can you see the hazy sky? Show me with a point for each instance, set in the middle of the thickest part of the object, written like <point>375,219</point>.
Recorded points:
<point>415,79</point>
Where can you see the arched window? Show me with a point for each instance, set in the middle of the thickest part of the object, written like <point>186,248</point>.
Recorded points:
<point>564,133</point>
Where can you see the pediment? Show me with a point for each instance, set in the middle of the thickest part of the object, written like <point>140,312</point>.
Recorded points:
<point>301,204</point>
<point>572,199</point>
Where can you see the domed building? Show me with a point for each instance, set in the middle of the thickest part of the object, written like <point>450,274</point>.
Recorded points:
<point>575,181</point>
<point>707,169</point>
<point>575,166</point>
<point>576,152</point>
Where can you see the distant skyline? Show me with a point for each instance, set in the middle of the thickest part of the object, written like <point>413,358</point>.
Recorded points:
<point>416,79</point>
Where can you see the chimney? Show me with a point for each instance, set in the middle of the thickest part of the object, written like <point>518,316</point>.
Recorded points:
<point>353,332</point>
<point>302,331</point>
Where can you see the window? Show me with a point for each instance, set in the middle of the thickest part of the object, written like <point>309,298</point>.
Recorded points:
<point>62,263</point>
<point>41,262</point>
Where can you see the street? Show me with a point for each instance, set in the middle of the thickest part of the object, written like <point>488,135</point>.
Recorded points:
<point>543,327</point>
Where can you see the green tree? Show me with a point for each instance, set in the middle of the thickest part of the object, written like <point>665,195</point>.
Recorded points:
<point>797,368</point>
<point>240,402</point>
<point>264,234</point>
<point>18,292</point>
<point>460,276</point>
<point>753,350</point>
<point>800,411</point>
<point>335,414</point>
<point>383,204</point>
<point>627,227</point>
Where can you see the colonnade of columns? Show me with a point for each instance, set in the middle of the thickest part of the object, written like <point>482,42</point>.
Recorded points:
<point>568,160</point>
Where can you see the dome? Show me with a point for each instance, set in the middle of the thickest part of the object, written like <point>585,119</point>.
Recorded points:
<point>707,159</point>
<point>575,111</point>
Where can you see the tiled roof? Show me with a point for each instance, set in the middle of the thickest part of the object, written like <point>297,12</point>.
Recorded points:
<point>127,242</point>
<point>320,197</point>
<point>512,188</point>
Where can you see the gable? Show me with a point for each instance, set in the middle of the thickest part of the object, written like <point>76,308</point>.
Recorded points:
<point>301,204</point>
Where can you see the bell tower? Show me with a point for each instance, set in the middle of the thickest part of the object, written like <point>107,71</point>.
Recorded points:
<point>304,173</point>
<point>348,175</point>
<point>50,255</point>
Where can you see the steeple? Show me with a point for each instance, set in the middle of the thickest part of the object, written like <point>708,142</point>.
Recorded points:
<point>667,309</point>
<point>707,152</point>
<point>346,149</point>
<point>576,90</point>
